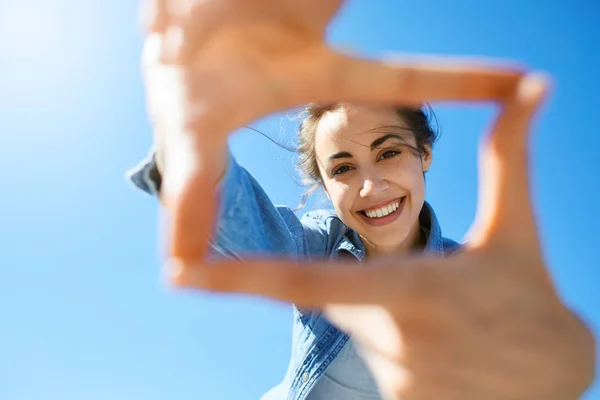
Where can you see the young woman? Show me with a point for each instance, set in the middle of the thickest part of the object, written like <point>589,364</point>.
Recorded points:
<point>371,163</point>
<point>474,325</point>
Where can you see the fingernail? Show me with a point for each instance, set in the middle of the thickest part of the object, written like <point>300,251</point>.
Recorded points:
<point>173,270</point>
<point>536,84</point>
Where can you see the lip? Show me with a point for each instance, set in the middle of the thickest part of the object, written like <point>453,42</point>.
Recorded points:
<point>388,218</point>
<point>382,203</point>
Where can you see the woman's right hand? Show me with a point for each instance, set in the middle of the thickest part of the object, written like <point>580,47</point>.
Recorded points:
<point>483,323</point>
<point>211,66</point>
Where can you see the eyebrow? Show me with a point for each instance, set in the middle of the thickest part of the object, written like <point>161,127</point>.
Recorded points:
<point>341,154</point>
<point>376,143</point>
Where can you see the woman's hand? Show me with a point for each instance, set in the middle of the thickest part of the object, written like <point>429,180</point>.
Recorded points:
<point>211,66</point>
<point>485,323</point>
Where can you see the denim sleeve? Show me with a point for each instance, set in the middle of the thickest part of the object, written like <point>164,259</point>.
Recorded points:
<point>145,175</point>
<point>248,224</point>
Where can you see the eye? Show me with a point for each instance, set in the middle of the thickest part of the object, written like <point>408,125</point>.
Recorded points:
<point>389,154</point>
<point>341,169</point>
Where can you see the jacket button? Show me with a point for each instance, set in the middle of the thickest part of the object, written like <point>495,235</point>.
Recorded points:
<point>305,377</point>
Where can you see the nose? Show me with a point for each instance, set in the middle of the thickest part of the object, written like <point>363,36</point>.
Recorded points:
<point>373,185</point>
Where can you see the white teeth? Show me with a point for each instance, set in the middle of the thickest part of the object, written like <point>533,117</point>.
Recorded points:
<point>383,211</point>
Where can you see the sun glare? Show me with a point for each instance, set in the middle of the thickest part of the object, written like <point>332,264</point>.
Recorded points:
<point>30,30</point>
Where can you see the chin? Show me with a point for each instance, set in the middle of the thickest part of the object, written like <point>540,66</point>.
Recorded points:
<point>395,242</point>
<point>391,239</point>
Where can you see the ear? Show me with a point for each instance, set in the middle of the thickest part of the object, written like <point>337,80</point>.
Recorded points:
<point>426,158</point>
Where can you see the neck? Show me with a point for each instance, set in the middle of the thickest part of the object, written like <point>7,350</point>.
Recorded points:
<point>413,241</point>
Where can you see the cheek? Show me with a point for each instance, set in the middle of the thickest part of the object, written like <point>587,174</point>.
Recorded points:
<point>407,174</point>
<point>341,196</point>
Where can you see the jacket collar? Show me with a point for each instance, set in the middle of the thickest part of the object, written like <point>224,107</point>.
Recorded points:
<point>351,242</point>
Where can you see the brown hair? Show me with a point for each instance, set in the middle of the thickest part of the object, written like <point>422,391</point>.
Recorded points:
<point>417,119</point>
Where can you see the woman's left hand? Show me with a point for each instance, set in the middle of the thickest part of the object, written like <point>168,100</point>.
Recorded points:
<point>485,323</point>
<point>211,66</point>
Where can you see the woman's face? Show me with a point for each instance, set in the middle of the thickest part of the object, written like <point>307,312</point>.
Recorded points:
<point>372,176</point>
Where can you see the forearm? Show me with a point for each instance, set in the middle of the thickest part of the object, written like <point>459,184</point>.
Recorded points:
<point>247,223</point>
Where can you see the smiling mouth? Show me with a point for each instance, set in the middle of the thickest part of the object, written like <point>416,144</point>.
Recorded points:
<point>381,212</point>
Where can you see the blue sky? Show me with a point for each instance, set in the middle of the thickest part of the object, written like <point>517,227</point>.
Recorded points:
<point>83,314</point>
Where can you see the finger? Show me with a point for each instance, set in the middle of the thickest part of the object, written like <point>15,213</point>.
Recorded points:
<point>160,50</point>
<point>309,15</point>
<point>201,20</point>
<point>504,212</point>
<point>189,186</point>
<point>164,92</point>
<point>194,23</point>
<point>310,285</point>
<point>151,54</point>
<point>190,149</point>
<point>418,81</point>
<point>199,23</point>
<point>153,16</point>
<point>159,18</point>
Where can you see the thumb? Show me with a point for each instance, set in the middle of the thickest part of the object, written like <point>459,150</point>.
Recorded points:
<point>314,284</point>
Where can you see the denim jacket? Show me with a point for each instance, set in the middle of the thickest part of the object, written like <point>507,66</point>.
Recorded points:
<point>249,225</point>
